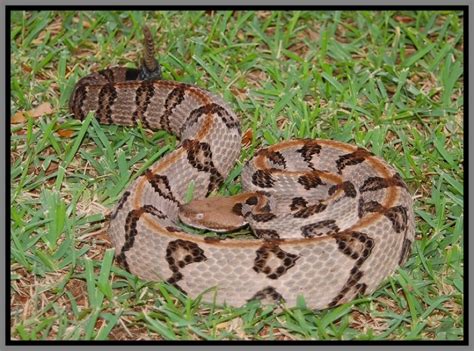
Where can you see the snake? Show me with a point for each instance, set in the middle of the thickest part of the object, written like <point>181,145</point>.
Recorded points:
<point>331,220</point>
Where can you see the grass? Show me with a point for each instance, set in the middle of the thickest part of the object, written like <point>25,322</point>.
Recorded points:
<point>388,81</point>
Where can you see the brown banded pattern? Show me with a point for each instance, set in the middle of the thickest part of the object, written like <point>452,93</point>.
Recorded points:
<point>131,229</point>
<point>332,219</point>
<point>357,246</point>
<point>143,97</point>
<point>200,157</point>
<point>107,97</point>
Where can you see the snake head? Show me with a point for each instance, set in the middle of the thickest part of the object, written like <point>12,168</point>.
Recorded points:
<point>219,214</point>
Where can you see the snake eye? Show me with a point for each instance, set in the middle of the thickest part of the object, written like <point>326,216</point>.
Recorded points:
<point>199,216</point>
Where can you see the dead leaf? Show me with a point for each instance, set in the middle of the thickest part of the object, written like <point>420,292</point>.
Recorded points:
<point>65,133</point>
<point>53,167</point>
<point>241,94</point>
<point>263,14</point>
<point>43,109</point>
<point>52,29</point>
<point>18,117</point>
<point>85,24</point>
<point>403,19</point>
<point>26,68</point>
<point>247,138</point>
<point>256,76</point>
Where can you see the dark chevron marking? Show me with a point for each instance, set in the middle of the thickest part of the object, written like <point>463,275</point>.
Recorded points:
<point>261,214</point>
<point>298,203</point>
<point>228,120</point>
<point>174,98</point>
<point>266,254</point>
<point>263,217</point>
<point>325,227</point>
<point>369,206</point>
<point>309,149</point>
<point>161,185</point>
<point>357,246</point>
<point>106,99</point>
<point>131,230</point>
<point>377,183</point>
<point>274,156</point>
<point>200,157</point>
<point>347,187</point>
<point>277,158</point>
<point>120,204</point>
<point>352,159</point>
<point>398,215</point>
<point>263,178</point>
<point>75,104</point>
<point>310,210</point>
<point>180,253</point>
<point>267,293</point>
<point>207,109</point>
<point>267,234</point>
<point>405,252</point>
<point>143,96</point>
<point>310,180</point>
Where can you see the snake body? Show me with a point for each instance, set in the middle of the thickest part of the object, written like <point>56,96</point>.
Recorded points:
<point>332,220</point>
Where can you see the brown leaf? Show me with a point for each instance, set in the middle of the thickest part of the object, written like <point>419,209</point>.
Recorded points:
<point>65,133</point>
<point>241,94</point>
<point>53,167</point>
<point>26,68</point>
<point>263,14</point>
<point>247,138</point>
<point>18,117</point>
<point>85,24</point>
<point>403,19</point>
<point>256,76</point>
<point>43,109</point>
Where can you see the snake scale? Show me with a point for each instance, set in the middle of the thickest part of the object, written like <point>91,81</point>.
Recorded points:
<point>331,220</point>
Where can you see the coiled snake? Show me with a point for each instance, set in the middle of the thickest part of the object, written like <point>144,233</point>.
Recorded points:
<point>331,219</point>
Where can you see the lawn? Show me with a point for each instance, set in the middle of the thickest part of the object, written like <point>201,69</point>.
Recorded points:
<point>391,82</point>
